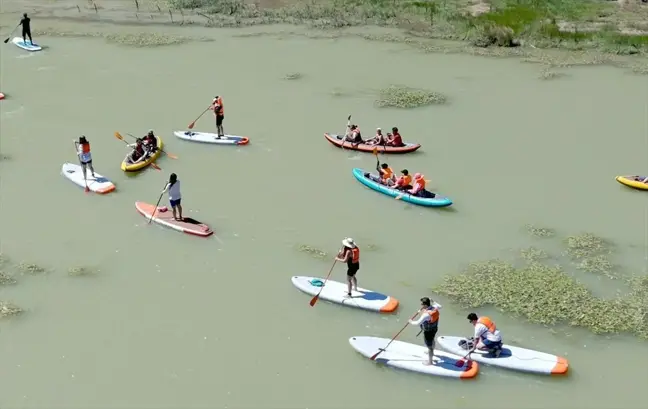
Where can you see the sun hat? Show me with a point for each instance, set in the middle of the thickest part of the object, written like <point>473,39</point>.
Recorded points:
<point>348,242</point>
<point>417,176</point>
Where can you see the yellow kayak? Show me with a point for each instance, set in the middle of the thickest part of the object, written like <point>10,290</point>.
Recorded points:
<point>633,181</point>
<point>126,166</point>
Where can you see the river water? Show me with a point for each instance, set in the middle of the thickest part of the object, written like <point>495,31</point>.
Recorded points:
<point>177,321</point>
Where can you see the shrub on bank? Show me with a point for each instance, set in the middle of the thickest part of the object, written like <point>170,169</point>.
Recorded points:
<point>592,23</point>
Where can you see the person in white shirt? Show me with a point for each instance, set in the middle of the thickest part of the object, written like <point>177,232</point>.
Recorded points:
<point>429,323</point>
<point>175,198</point>
<point>487,336</point>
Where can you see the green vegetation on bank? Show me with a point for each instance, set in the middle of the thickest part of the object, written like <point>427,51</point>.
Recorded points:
<point>550,293</point>
<point>506,23</point>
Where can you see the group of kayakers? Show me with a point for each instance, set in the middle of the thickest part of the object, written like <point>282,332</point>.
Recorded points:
<point>413,186</point>
<point>392,138</point>
<point>486,336</point>
<point>143,148</point>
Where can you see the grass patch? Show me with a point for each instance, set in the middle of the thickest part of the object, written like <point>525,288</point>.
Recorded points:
<point>82,271</point>
<point>312,251</point>
<point>407,98</point>
<point>8,309</point>
<point>145,39</point>
<point>293,76</point>
<point>539,231</point>
<point>550,294</point>
<point>31,269</point>
<point>7,278</point>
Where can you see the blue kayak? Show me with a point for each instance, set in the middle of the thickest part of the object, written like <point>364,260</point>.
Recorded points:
<point>437,201</point>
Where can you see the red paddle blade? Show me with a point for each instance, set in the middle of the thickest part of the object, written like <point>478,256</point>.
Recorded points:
<point>156,167</point>
<point>374,356</point>
<point>460,363</point>
<point>87,189</point>
<point>191,125</point>
<point>313,300</point>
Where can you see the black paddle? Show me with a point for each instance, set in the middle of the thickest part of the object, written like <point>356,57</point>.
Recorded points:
<point>157,204</point>
<point>10,34</point>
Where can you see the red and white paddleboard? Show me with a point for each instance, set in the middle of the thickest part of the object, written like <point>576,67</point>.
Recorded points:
<point>2,96</point>
<point>164,217</point>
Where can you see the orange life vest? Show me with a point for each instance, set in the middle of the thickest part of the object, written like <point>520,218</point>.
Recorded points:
<point>433,322</point>
<point>85,147</point>
<point>355,255</point>
<point>421,183</point>
<point>405,180</point>
<point>387,173</point>
<point>219,108</point>
<point>488,323</point>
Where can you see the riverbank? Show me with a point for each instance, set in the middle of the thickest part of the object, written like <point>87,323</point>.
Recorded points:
<point>616,27</point>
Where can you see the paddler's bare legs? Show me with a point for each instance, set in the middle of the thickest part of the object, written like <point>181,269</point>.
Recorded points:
<point>83,168</point>
<point>173,209</point>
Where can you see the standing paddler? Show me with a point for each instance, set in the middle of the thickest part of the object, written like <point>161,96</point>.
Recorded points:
<point>175,198</point>
<point>219,113</point>
<point>85,157</point>
<point>350,254</point>
<point>428,320</point>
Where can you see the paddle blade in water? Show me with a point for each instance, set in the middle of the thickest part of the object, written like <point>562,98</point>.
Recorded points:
<point>375,151</point>
<point>154,166</point>
<point>313,300</point>
<point>191,125</point>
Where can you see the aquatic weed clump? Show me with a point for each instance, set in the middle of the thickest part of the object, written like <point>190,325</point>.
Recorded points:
<point>6,278</point>
<point>145,39</point>
<point>539,231</point>
<point>312,251</point>
<point>8,309</point>
<point>29,268</point>
<point>586,245</point>
<point>598,264</point>
<point>82,271</point>
<point>396,96</point>
<point>293,76</point>
<point>532,254</point>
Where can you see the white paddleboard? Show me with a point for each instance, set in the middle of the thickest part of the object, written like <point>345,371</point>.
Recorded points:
<point>514,358</point>
<point>26,45</point>
<point>336,292</point>
<point>206,137</point>
<point>411,357</point>
<point>97,184</point>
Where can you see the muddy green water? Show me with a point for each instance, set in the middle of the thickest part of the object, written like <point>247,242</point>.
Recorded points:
<point>176,321</point>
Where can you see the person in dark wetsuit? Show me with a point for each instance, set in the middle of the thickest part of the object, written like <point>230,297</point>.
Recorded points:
<point>350,254</point>
<point>25,22</point>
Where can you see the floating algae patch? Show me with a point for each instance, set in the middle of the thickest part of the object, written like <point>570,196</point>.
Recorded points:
<point>82,271</point>
<point>533,254</point>
<point>536,231</point>
<point>586,245</point>
<point>4,157</point>
<point>396,96</point>
<point>312,251</point>
<point>28,268</point>
<point>293,76</point>
<point>548,74</point>
<point>599,264</point>
<point>8,309</point>
<point>548,295</point>
<point>145,39</point>
<point>6,278</point>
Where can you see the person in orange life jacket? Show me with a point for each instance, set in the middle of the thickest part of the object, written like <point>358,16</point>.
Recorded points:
<point>379,139</point>
<point>139,152</point>
<point>219,114</point>
<point>85,157</point>
<point>353,135</point>
<point>419,187</point>
<point>404,182</point>
<point>350,254</point>
<point>394,138</point>
<point>150,141</point>
<point>428,320</point>
<point>487,336</point>
<point>386,174</point>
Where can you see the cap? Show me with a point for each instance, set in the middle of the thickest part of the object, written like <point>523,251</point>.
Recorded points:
<point>417,176</point>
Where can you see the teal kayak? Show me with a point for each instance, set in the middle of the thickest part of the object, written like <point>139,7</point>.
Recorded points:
<point>366,179</point>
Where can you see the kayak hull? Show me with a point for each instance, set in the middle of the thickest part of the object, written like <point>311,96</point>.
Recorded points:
<point>511,357</point>
<point>188,225</point>
<point>19,42</point>
<point>206,137</point>
<point>336,140</point>
<point>129,167</point>
<point>97,184</point>
<point>438,201</point>
<point>631,181</point>
<point>336,292</point>
<point>411,357</point>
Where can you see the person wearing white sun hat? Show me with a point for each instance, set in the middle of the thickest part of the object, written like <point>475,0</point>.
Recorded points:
<point>350,254</point>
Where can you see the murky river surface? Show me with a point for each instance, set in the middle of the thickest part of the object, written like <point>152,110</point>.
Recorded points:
<point>176,321</point>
